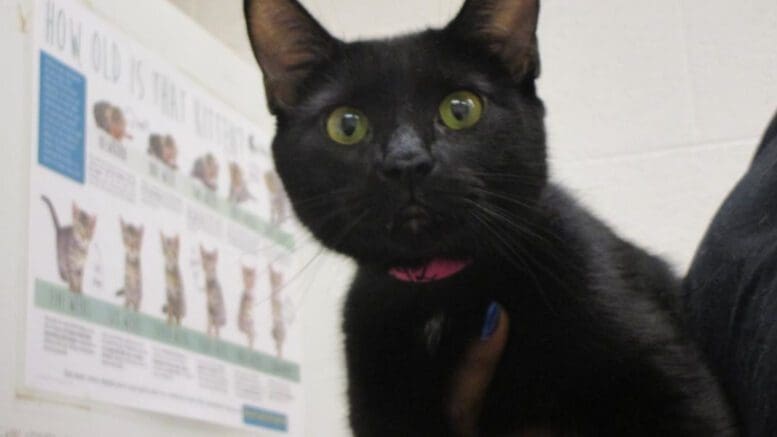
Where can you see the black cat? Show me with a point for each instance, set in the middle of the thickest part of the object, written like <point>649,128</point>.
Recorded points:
<point>423,158</point>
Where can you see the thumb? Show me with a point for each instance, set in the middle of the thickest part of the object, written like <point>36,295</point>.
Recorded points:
<point>473,376</point>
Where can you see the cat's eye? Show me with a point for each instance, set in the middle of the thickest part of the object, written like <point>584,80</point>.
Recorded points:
<point>347,125</point>
<point>461,110</point>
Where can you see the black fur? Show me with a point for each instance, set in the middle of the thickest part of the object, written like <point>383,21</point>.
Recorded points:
<point>595,346</point>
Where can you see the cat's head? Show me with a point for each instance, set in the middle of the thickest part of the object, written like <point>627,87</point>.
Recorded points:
<point>83,223</point>
<point>211,167</point>
<point>132,236</point>
<point>170,150</point>
<point>395,151</point>
<point>170,247</point>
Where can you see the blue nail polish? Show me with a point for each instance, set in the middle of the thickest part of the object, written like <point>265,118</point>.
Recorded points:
<point>491,322</point>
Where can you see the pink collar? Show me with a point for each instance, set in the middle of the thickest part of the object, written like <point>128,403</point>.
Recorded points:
<point>435,270</point>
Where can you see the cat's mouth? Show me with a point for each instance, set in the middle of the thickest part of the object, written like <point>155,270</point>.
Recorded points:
<point>412,219</point>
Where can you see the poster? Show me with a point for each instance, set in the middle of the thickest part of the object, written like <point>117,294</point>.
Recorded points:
<point>159,246</point>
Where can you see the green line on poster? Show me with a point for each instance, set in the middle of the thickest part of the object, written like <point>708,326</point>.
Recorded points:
<point>58,299</point>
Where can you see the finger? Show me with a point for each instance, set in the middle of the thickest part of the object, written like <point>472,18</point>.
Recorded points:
<point>474,374</point>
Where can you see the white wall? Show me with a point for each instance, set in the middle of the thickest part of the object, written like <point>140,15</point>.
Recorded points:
<point>654,111</point>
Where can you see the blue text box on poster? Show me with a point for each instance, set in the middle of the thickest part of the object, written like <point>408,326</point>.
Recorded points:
<point>62,107</point>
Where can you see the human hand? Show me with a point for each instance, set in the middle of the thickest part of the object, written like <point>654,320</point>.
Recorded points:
<point>473,376</point>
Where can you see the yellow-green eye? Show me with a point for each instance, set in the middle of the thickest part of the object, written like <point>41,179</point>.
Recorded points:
<point>461,110</point>
<point>347,125</point>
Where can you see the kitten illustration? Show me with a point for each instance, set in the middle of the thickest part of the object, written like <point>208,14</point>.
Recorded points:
<point>278,328</point>
<point>216,312</point>
<point>206,170</point>
<point>238,186</point>
<point>132,237</point>
<point>245,317</point>
<point>163,148</point>
<point>102,113</point>
<point>73,245</point>
<point>111,119</point>
<point>175,308</point>
<point>278,199</point>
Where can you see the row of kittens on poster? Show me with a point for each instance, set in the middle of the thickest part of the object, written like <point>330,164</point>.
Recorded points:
<point>73,243</point>
<point>205,169</point>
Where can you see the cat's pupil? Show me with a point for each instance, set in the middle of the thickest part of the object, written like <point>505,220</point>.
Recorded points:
<point>349,123</point>
<point>460,108</point>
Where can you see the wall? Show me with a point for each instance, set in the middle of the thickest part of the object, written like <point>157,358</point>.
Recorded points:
<point>654,111</point>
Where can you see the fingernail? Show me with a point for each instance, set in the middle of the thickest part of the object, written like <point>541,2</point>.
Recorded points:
<point>491,322</point>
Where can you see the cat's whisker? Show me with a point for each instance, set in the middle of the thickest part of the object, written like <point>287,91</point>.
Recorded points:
<point>505,239</point>
<point>344,234</point>
<point>508,248</point>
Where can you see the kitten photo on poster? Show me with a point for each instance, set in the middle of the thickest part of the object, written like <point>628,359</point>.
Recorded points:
<point>132,237</point>
<point>110,119</point>
<point>206,170</point>
<point>175,305</point>
<point>214,297</point>
<point>238,185</point>
<point>72,244</point>
<point>245,316</point>
<point>278,201</point>
<point>164,149</point>
<point>278,329</point>
<point>423,158</point>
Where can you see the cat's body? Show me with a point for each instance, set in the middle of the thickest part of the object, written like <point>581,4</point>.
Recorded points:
<point>245,316</point>
<point>278,330</point>
<point>217,315</point>
<point>592,349</point>
<point>206,170</point>
<point>418,153</point>
<point>132,237</point>
<point>175,306</point>
<point>72,245</point>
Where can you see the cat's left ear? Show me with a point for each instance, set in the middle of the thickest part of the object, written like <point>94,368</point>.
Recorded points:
<point>288,44</point>
<point>507,28</point>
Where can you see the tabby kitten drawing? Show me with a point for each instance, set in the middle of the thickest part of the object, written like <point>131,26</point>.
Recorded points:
<point>238,186</point>
<point>277,197</point>
<point>217,316</point>
<point>175,307</point>
<point>423,158</point>
<point>278,330</point>
<point>245,316</point>
<point>163,148</point>
<point>206,170</point>
<point>73,245</point>
<point>132,236</point>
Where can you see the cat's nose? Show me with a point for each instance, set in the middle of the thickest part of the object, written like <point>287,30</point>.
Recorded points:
<point>405,156</point>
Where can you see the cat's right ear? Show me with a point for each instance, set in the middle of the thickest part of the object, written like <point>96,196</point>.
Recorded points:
<point>288,44</point>
<point>506,28</point>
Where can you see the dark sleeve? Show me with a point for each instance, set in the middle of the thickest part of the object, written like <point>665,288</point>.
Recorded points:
<point>730,292</point>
